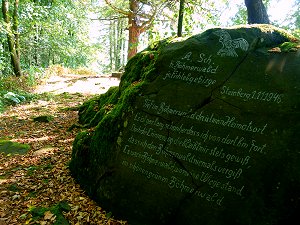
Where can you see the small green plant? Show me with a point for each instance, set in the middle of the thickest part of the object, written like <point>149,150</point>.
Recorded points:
<point>31,170</point>
<point>14,188</point>
<point>62,206</point>
<point>14,98</point>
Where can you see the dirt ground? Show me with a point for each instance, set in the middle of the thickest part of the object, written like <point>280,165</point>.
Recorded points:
<point>78,84</point>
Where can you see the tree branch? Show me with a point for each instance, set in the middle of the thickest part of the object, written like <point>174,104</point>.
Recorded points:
<point>111,18</point>
<point>147,24</point>
<point>117,9</point>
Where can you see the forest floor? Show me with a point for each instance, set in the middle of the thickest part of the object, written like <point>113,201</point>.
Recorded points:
<point>37,187</point>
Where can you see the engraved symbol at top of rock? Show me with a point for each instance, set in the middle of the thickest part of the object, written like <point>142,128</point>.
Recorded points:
<point>229,44</point>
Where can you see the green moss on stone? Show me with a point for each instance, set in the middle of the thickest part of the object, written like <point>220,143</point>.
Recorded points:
<point>289,46</point>
<point>9,147</point>
<point>80,151</point>
<point>94,149</point>
<point>89,110</point>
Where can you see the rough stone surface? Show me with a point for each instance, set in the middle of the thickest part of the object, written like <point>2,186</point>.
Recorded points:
<point>200,131</point>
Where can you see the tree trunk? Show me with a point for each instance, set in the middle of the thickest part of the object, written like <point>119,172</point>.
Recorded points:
<point>257,12</point>
<point>134,30</point>
<point>15,27</point>
<point>119,44</point>
<point>111,44</point>
<point>12,36</point>
<point>180,18</point>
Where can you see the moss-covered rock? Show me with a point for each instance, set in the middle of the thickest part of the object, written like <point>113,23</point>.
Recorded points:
<point>43,118</point>
<point>10,147</point>
<point>200,130</point>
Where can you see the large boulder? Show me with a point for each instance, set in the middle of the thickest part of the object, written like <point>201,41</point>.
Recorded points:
<point>203,130</point>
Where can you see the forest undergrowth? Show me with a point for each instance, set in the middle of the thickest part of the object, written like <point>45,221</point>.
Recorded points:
<point>37,187</point>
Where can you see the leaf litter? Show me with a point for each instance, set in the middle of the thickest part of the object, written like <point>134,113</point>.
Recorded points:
<point>37,188</point>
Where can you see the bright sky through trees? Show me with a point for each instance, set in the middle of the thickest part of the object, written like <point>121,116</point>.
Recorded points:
<point>281,8</point>
<point>223,16</point>
<point>277,10</point>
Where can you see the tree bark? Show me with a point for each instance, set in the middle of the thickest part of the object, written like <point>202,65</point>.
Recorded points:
<point>136,26</point>
<point>180,18</point>
<point>134,30</point>
<point>257,12</point>
<point>12,35</point>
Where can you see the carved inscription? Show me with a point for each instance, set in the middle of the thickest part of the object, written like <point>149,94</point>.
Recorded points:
<point>191,147</point>
<point>210,118</point>
<point>191,71</point>
<point>254,95</point>
<point>156,142</point>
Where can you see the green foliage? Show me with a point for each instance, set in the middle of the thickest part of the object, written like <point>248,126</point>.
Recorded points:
<point>13,98</point>
<point>10,98</point>
<point>14,91</point>
<point>33,75</point>
<point>55,34</point>
<point>51,32</point>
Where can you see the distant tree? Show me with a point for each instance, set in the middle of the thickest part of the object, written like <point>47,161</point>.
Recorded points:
<point>117,43</point>
<point>12,34</point>
<point>257,12</point>
<point>140,15</point>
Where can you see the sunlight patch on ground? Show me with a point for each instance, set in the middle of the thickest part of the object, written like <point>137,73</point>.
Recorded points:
<point>34,139</point>
<point>78,84</point>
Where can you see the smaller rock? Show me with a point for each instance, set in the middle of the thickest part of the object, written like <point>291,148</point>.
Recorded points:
<point>9,147</point>
<point>44,151</point>
<point>44,119</point>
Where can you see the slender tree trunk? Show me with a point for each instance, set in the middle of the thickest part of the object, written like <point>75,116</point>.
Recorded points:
<point>180,18</point>
<point>15,27</point>
<point>111,44</point>
<point>35,45</point>
<point>119,43</point>
<point>257,12</point>
<point>115,34</point>
<point>124,49</point>
<point>134,30</point>
<point>11,38</point>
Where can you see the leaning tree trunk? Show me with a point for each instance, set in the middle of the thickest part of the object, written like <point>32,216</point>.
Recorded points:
<point>12,36</point>
<point>257,12</point>
<point>180,18</point>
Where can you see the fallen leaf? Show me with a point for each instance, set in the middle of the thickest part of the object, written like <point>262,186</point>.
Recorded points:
<point>48,215</point>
